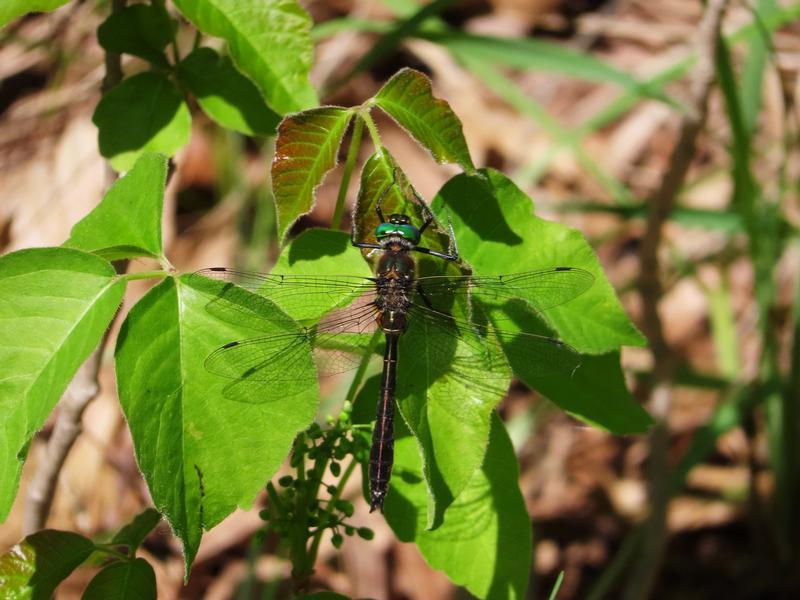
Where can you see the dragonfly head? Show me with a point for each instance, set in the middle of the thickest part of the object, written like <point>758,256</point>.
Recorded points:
<point>398,226</point>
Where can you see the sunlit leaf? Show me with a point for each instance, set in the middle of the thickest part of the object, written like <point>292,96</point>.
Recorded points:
<point>408,99</point>
<point>127,222</point>
<point>305,151</point>
<point>225,95</point>
<point>484,542</point>
<point>11,9</point>
<point>55,304</point>
<point>269,40</point>
<point>202,453</point>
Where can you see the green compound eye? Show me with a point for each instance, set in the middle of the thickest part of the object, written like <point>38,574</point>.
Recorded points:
<point>408,232</point>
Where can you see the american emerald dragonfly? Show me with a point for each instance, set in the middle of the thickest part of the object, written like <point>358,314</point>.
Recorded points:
<point>390,302</point>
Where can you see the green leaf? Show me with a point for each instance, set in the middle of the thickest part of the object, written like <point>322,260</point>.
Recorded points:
<point>135,532</point>
<point>484,542</point>
<point>269,40</point>
<point>318,252</point>
<point>127,222</point>
<point>125,580</point>
<point>382,176</point>
<point>446,398</point>
<point>34,567</point>
<point>408,99</point>
<point>144,113</point>
<point>141,30</point>
<point>305,151</point>
<point>202,453</point>
<point>225,95</point>
<point>55,305</point>
<point>11,9</point>
<point>498,233</point>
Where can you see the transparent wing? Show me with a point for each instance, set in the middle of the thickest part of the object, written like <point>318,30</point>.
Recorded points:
<point>543,289</point>
<point>305,295</point>
<point>275,366</point>
<point>541,355</point>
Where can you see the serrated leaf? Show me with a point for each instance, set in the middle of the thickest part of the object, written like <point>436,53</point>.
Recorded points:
<point>34,567</point>
<point>55,305</point>
<point>134,533</point>
<point>225,95</point>
<point>408,99</point>
<point>201,453</point>
<point>124,580</point>
<point>484,543</point>
<point>11,9</point>
<point>127,222</point>
<point>144,113</point>
<point>269,40</point>
<point>141,30</point>
<point>305,151</point>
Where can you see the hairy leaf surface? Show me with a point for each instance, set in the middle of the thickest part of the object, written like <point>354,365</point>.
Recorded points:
<point>306,150</point>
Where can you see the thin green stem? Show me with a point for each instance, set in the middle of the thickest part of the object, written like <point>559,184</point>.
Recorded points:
<point>144,275</point>
<point>373,130</point>
<point>301,566</point>
<point>275,499</point>
<point>312,553</point>
<point>349,165</point>
<point>114,552</point>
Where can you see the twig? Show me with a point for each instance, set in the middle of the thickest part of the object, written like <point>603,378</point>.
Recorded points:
<point>82,389</point>
<point>661,203</point>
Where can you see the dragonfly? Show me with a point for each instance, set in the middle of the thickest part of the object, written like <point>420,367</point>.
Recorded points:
<point>389,302</point>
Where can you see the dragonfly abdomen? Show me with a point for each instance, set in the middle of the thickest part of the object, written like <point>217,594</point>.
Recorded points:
<point>382,453</point>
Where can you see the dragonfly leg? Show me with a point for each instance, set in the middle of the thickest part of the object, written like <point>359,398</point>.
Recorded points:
<point>436,254</point>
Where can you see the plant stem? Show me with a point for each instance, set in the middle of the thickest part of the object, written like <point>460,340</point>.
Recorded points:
<point>113,552</point>
<point>144,275</point>
<point>349,165</point>
<point>373,130</point>
<point>312,553</point>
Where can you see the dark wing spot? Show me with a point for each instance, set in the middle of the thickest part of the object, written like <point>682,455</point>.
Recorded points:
<point>230,345</point>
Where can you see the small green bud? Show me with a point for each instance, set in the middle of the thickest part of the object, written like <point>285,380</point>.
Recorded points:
<point>365,533</point>
<point>285,481</point>
<point>336,469</point>
<point>337,540</point>
<point>346,507</point>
